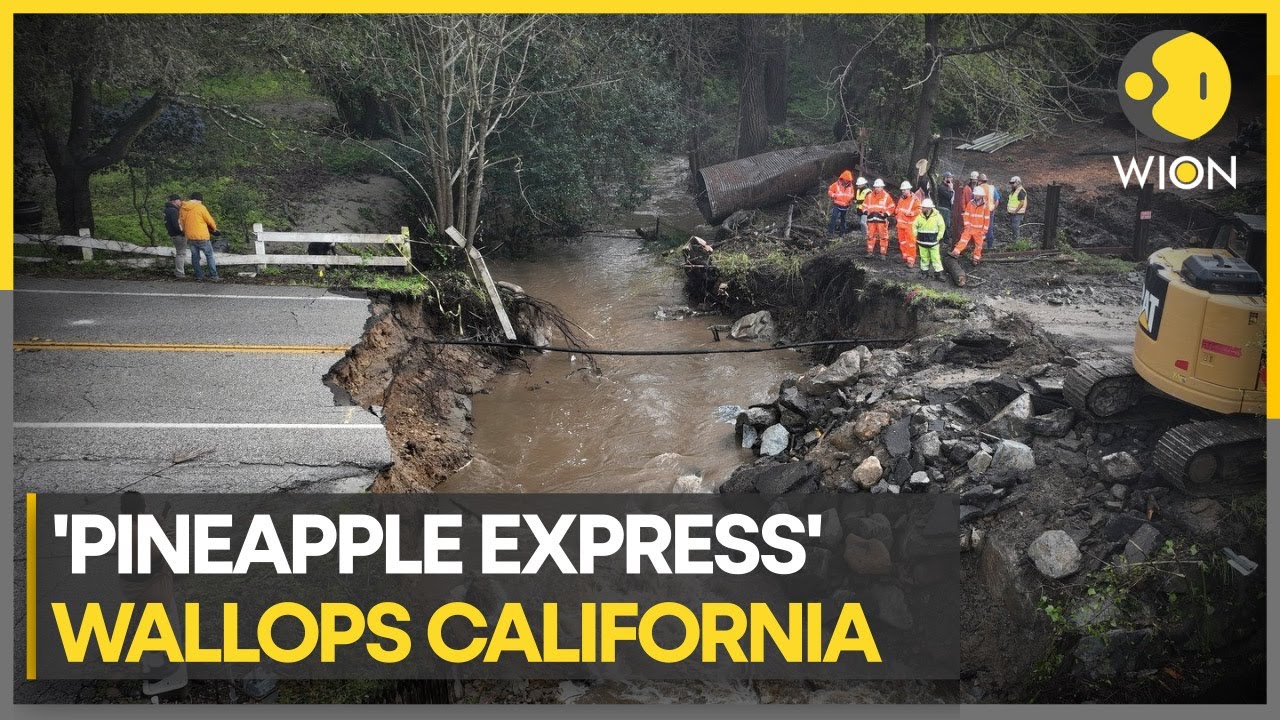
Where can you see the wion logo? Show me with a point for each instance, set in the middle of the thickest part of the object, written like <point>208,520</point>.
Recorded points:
<point>1174,87</point>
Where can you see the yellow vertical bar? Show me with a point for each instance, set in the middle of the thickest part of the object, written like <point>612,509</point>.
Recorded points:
<point>31,586</point>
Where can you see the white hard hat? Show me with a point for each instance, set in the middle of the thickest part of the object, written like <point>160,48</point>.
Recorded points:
<point>906,185</point>
<point>1015,179</point>
<point>927,203</point>
<point>878,183</point>
<point>973,175</point>
<point>979,192</point>
<point>861,181</point>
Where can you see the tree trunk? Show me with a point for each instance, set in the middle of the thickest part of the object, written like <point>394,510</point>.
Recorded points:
<point>753,122</point>
<point>775,80</point>
<point>931,72</point>
<point>71,191</point>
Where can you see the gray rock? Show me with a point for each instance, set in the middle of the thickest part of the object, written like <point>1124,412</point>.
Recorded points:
<point>1120,467</point>
<point>1055,424</point>
<point>919,479</point>
<point>876,527</point>
<point>1200,517</point>
<point>1119,491</point>
<point>1143,544</point>
<point>727,413</point>
<point>760,415</point>
<point>1055,554</point>
<point>869,472</point>
<point>756,326</point>
<point>980,462</point>
<point>959,451</point>
<point>831,530</point>
<point>1011,421</point>
<point>845,370</point>
<point>897,439</point>
<point>1013,455</point>
<point>883,487</point>
<point>891,605</point>
<point>970,512</point>
<point>750,436</point>
<point>796,400</point>
<point>810,385</point>
<point>774,440</point>
<point>690,483</point>
<point>930,445</point>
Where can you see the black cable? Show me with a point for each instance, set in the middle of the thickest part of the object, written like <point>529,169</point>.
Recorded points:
<point>596,351</point>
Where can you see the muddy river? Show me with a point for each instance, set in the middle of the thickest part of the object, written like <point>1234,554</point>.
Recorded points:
<point>645,421</point>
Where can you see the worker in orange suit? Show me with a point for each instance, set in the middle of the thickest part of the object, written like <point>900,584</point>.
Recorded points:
<point>841,194</point>
<point>907,209</point>
<point>977,218</point>
<point>879,207</point>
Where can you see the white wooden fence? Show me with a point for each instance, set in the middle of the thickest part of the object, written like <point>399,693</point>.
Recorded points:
<point>261,238</point>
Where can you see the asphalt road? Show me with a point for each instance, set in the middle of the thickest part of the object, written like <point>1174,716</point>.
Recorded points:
<point>163,416</point>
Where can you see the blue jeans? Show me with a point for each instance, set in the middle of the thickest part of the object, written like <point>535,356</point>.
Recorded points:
<point>838,214</point>
<point>206,247</point>
<point>1015,221</point>
<point>991,231</point>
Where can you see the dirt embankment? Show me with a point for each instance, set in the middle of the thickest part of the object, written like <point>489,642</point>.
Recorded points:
<point>421,389</point>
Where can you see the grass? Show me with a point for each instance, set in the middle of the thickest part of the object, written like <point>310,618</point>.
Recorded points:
<point>738,266</point>
<point>1087,264</point>
<point>917,294</point>
<point>257,87</point>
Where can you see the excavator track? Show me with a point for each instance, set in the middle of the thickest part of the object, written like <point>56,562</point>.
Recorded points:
<point>1214,458</point>
<point>1103,389</point>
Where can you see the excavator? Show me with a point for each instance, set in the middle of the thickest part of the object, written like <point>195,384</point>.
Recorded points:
<point>1201,341</point>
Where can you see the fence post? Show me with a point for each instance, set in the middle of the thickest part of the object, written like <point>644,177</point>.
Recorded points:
<point>406,250</point>
<point>1049,238</point>
<point>1142,222</point>
<point>86,252</point>
<point>259,247</point>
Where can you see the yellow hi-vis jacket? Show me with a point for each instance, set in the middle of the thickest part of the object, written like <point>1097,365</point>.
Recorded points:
<point>929,230</point>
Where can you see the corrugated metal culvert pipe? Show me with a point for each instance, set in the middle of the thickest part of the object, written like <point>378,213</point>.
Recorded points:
<point>770,177</point>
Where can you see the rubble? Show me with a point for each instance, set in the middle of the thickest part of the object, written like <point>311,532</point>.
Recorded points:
<point>1120,467</point>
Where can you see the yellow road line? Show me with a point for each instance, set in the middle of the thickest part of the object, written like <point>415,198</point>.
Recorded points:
<point>177,347</point>
<point>31,586</point>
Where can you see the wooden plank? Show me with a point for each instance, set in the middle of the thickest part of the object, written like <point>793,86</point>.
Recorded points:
<point>387,261</point>
<point>343,238</point>
<point>259,245</point>
<point>483,269</point>
<point>92,244</point>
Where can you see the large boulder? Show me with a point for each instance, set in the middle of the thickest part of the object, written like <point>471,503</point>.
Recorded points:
<point>845,370</point>
<point>1055,554</point>
<point>756,326</point>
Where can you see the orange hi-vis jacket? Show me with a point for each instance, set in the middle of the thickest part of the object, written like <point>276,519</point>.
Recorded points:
<point>878,206</point>
<point>977,217</point>
<point>841,193</point>
<point>908,208</point>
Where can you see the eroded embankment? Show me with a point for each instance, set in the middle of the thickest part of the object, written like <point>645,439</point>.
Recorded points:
<point>1086,577</point>
<point>421,389</point>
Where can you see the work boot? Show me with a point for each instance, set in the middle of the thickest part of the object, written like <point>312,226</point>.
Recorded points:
<point>937,275</point>
<point>869,255</point>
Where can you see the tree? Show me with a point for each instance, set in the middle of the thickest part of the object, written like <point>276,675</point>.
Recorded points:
<point>753,121</point>
<point>65,64</point>
<point>777,57</point>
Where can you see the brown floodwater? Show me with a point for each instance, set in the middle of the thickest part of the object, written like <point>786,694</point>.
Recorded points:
<point>645,421</point>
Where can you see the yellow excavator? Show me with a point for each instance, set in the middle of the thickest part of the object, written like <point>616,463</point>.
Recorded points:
<point>1201,339</point>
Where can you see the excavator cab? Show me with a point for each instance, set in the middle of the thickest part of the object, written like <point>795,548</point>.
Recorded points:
<point>1200,339</point>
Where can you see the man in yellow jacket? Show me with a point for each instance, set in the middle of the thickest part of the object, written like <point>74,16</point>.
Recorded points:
<point>198,226</point>
<point>930,229</point>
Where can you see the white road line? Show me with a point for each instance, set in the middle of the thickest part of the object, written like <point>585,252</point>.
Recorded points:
<point>191,426</point>
<point>193,295</point>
